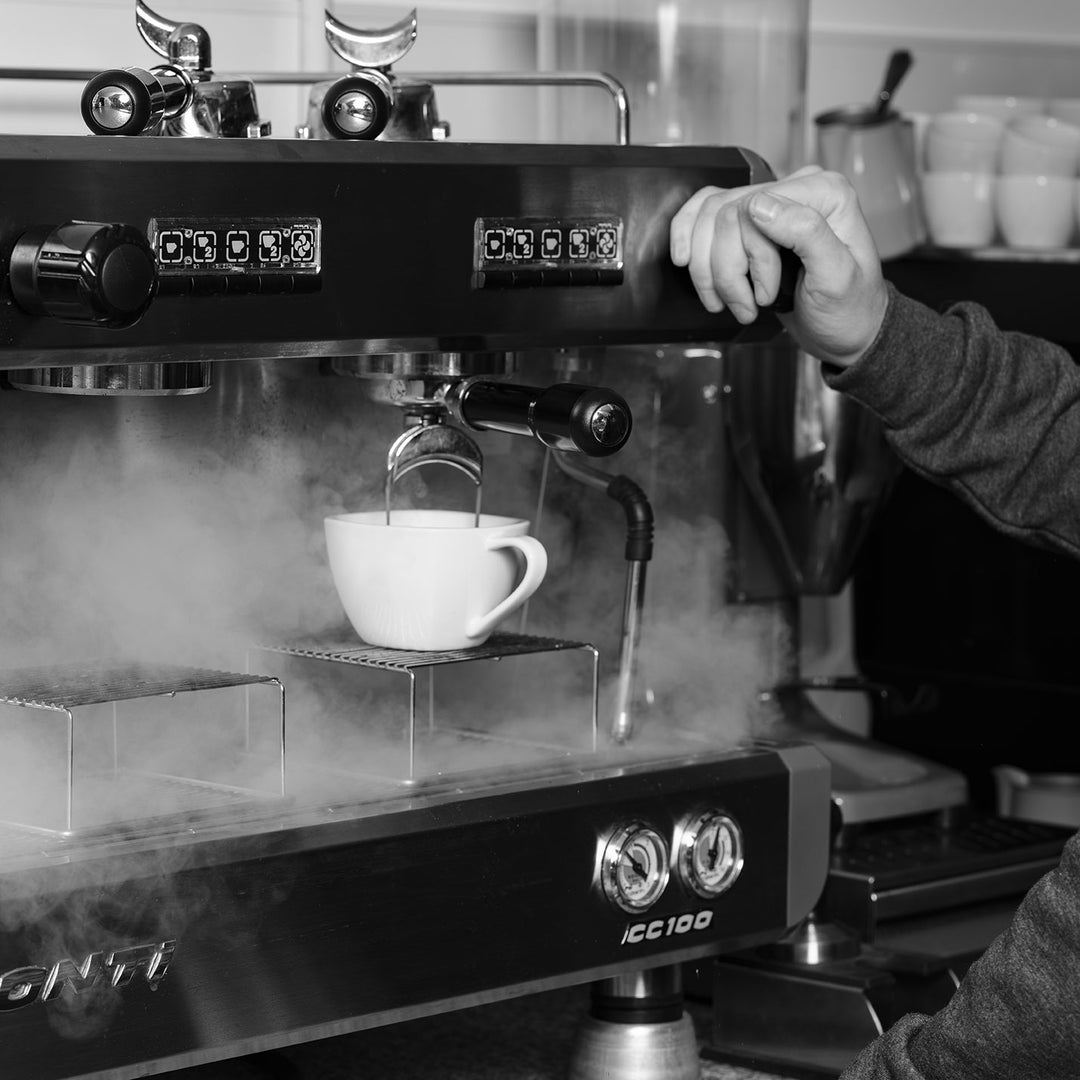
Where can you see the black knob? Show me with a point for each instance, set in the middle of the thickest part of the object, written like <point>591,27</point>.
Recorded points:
<point>84,271</point>
<point>590,419</point>
<point>358,106</point>
<point>129,101</point>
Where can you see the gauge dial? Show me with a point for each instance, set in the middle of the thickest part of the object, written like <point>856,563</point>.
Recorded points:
<point>635,867</point>
<point>710,853</point>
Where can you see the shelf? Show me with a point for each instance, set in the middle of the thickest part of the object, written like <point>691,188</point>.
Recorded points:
<point>1034,293</point>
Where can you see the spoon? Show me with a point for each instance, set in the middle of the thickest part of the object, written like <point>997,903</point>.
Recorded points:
<point>899,63</point>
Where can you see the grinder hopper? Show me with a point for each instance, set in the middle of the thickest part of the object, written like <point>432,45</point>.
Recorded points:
<point>811,469</point>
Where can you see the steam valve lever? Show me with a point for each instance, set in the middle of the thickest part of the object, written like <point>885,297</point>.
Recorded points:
<point>129,101</point>
<point>592,420</point>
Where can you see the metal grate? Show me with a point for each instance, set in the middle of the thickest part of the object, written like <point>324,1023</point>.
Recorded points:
<point>89,745</point>
<point>496,647</point>
<point>434,738</point>
<point>72,686</point>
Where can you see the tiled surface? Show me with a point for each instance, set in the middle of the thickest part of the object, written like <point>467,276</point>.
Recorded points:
<point>527,1038</point>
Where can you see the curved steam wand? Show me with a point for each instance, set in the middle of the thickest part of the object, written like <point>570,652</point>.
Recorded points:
<point>639,549</point>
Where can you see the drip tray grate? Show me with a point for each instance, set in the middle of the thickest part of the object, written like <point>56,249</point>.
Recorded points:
<point>395,715</point>
<point>95,745</point>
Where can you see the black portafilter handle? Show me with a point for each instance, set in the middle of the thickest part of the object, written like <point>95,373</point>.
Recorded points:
<point>567,416</point>
<point>129,101</point>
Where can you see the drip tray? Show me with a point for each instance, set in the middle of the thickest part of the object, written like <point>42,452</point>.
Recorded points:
<point>392,716</point>
<point>99,745</point>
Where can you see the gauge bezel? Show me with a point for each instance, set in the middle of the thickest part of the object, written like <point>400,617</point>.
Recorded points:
<point>609,869</point>
<point>689,835</point>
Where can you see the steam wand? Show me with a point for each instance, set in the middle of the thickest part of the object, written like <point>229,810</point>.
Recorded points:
<point>639,549</point>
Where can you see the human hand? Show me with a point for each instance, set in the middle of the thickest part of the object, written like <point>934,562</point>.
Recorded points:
<point>729,240</point>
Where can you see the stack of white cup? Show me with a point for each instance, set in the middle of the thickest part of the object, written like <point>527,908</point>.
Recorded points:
<point>1002,169</point>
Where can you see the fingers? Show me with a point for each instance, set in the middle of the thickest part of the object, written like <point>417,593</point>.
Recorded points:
<point>827,261</point>
<point>732,265</point>
<point>682,224</point>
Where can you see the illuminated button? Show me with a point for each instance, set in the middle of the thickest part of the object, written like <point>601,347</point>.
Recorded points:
<point>607,242</point>
<point>303,245</point>
<point>551,244</point>
<point>237,246</point>
<point>494,244</point>
<point>171,247</point>
<point>523,244</point>
<point>204,246</point>
<point>579,244</point>
<point>270,246</point>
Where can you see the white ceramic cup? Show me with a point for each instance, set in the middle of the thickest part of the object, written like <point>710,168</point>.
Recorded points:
<point>1039,146</point>
<point>1003,106</point>
<point>962,142</point>
<point>1067,109</point>
<point>959,208</point>
<point>1035,211</point>
<point>431,579</point>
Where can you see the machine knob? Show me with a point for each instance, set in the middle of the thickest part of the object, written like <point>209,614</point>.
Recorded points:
<point>84,271</point>
<point>129,101</point>
<point>358,106</point>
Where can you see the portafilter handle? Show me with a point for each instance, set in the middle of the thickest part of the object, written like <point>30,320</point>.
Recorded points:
<point>592,420</point>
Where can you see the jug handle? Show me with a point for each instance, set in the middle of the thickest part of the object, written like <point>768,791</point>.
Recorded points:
<point>1008,779</point>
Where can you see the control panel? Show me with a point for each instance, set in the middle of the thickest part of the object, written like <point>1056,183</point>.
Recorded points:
<point>121,250</point>
<point>232,255</point>
<point>522,252</point>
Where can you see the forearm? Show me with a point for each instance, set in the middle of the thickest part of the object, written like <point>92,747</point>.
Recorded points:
<point>1014,1014</point>
<point>993,415</point>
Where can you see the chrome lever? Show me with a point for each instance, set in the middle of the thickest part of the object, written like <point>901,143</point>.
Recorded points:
<point>187,45</point>
<point>371,48</point>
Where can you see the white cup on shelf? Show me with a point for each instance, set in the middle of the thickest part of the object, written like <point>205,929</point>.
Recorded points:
<point>1067,109</point>
<point>1040,146</point>
<point>1003,106</point>
<point>962,142</point>
<point>1036,212</point>
<point>959,208</point>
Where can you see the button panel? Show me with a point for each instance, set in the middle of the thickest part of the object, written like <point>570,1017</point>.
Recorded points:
<point>518,253</point>
<point>214,256</point>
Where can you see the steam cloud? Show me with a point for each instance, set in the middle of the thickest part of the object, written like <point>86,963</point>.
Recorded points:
<point>187,530</point>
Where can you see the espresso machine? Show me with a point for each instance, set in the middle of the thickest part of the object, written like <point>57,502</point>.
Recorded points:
<point>226,823</point>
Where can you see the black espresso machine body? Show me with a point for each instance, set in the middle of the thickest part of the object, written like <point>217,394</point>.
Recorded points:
<point>316,907</point>
<point>271,248</point>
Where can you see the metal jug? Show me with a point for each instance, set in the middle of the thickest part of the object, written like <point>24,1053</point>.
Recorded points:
<point>1049,797</point>
<point>876,152</point>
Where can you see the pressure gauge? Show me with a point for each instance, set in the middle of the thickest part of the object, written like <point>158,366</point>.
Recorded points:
<point>710,853</point>
<point>634,872</point>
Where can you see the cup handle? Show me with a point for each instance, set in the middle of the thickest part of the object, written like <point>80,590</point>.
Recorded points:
<point>535,569</point>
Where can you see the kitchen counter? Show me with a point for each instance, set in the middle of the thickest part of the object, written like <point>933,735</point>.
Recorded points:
<point>527,1038</point>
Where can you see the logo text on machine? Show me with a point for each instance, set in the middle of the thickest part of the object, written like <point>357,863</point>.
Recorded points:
<point>689,921</point>
<point>23,985</point>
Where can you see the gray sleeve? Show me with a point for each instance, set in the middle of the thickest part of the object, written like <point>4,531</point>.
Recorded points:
<point>996,417</point>
<point>1017,1011</point>
<point>993,415</point>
